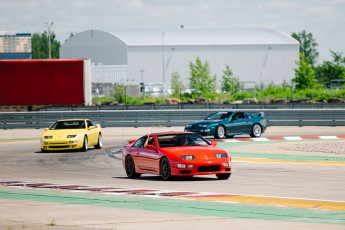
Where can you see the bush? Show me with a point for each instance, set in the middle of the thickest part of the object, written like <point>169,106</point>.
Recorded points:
<point>263,94</point>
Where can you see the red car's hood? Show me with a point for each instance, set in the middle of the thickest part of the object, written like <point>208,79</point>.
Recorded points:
<point>197,151</point>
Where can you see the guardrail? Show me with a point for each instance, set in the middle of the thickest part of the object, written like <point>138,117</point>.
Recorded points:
<point>146,118</point>
<point>199,106</point>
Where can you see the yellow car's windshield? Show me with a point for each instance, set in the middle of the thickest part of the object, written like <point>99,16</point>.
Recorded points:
<point>68,125</point>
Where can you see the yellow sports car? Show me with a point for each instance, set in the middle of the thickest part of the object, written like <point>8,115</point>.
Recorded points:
<point>72,134</point>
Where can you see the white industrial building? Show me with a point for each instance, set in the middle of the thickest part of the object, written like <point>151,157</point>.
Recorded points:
<point>128,57</point>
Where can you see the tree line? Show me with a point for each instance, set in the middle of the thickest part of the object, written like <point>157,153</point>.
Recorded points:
<point>311,80</point>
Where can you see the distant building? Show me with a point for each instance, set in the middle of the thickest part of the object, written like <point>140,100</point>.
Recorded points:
<point>15,46</point>
<point>129,57</point>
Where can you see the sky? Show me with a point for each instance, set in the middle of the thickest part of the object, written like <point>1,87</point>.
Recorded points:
<point>325,19</point>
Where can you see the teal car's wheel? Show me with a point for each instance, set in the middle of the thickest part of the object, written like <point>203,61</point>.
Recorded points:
<point>130,168</point>
<point>223,176</point>
<point>165,169</point>
<point>256,130</point>
<point>220,132</point>
<point>100,142</point>
<point>85,145</point>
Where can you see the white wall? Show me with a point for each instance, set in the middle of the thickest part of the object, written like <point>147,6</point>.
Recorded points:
<point>259,63</point>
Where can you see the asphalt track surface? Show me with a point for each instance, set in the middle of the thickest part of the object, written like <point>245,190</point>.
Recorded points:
<point>269,188</point>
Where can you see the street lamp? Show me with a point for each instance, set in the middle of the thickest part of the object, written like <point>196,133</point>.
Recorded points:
<point>49,25</point>
<point>163,34</point>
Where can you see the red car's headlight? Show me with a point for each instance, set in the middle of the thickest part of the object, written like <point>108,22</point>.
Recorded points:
<point>188,157</point>
<point>221,155</point>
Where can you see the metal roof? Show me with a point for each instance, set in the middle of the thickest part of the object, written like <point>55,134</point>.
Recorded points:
<point>203,37</point>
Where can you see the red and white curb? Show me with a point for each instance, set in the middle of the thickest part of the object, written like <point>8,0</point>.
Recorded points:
<point>293,138</point>
<point>108,190</point>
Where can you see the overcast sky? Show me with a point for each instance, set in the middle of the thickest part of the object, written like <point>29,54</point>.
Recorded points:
<point>325,19</point>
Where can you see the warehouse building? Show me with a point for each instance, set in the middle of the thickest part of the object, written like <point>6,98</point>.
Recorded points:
<point>129,57</point>
<point>15,45</point>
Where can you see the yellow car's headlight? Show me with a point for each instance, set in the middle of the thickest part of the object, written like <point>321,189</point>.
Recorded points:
<point>48,137</point>
<point>71,136</point>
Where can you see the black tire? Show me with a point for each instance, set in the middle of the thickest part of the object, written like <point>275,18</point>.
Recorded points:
<point>130,168</point>
<point>220,132</point>
<point>256,130</point>
<point>100,142</point>
<point>223,176</point>
<point>165,169</point>
<point>44,151</point>
<point>85,145</point>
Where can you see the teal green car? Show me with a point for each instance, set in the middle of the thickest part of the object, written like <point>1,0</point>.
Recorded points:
<point>229,123</point>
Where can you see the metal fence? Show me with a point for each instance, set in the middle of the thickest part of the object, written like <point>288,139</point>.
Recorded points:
<point>171,117</point>
<point>200,106</point>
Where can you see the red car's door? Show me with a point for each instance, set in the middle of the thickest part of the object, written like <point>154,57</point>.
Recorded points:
<point>136,150</point>
<point>149,159</point>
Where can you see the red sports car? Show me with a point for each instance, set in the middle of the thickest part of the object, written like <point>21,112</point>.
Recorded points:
<point>175,154</point>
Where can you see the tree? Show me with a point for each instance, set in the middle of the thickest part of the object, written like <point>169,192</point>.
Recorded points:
<point>328,70</point>
<point>305,76</point>
<point>40,46</point>
<point>307,46</point>
<point>176,84</point>
<point>201,82</point>
<point>230,84</point>
<point>119,93</point>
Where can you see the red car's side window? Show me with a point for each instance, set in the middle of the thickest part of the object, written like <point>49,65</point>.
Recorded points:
<point>140,142</point>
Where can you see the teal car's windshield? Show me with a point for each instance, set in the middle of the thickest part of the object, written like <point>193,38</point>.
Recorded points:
<point>218,116</point>
<point>68,125</point>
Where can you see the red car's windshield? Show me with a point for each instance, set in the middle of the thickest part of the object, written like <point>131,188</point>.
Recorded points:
<point>184,139</point>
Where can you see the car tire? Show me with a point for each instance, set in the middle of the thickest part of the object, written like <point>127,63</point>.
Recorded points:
<point>165,169</point>
<point>44,151</point>
<point>100,142</point>
<point>220,132</point>
<point>130,168</point>
<point>256,130</point>
<point>223,176</point>
<point>85,145</point>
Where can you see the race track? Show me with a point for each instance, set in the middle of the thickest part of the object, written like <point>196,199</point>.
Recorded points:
<point>274,183</point>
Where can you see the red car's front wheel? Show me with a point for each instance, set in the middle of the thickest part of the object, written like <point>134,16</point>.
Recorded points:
<point>165,169</point>
<point>223,176</point>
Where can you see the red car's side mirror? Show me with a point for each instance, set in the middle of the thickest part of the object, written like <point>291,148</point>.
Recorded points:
<point>214,143</point>
<point>151,147</point>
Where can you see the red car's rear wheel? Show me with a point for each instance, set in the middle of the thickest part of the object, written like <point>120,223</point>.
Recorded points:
<point>130,168</point>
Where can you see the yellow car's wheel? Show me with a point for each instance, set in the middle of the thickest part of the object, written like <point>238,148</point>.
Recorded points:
<point>100,142</point>
<point>85,145</point>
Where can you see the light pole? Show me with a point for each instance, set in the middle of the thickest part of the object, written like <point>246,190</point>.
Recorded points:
<point>49,25</point>
<point>163,34</point>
